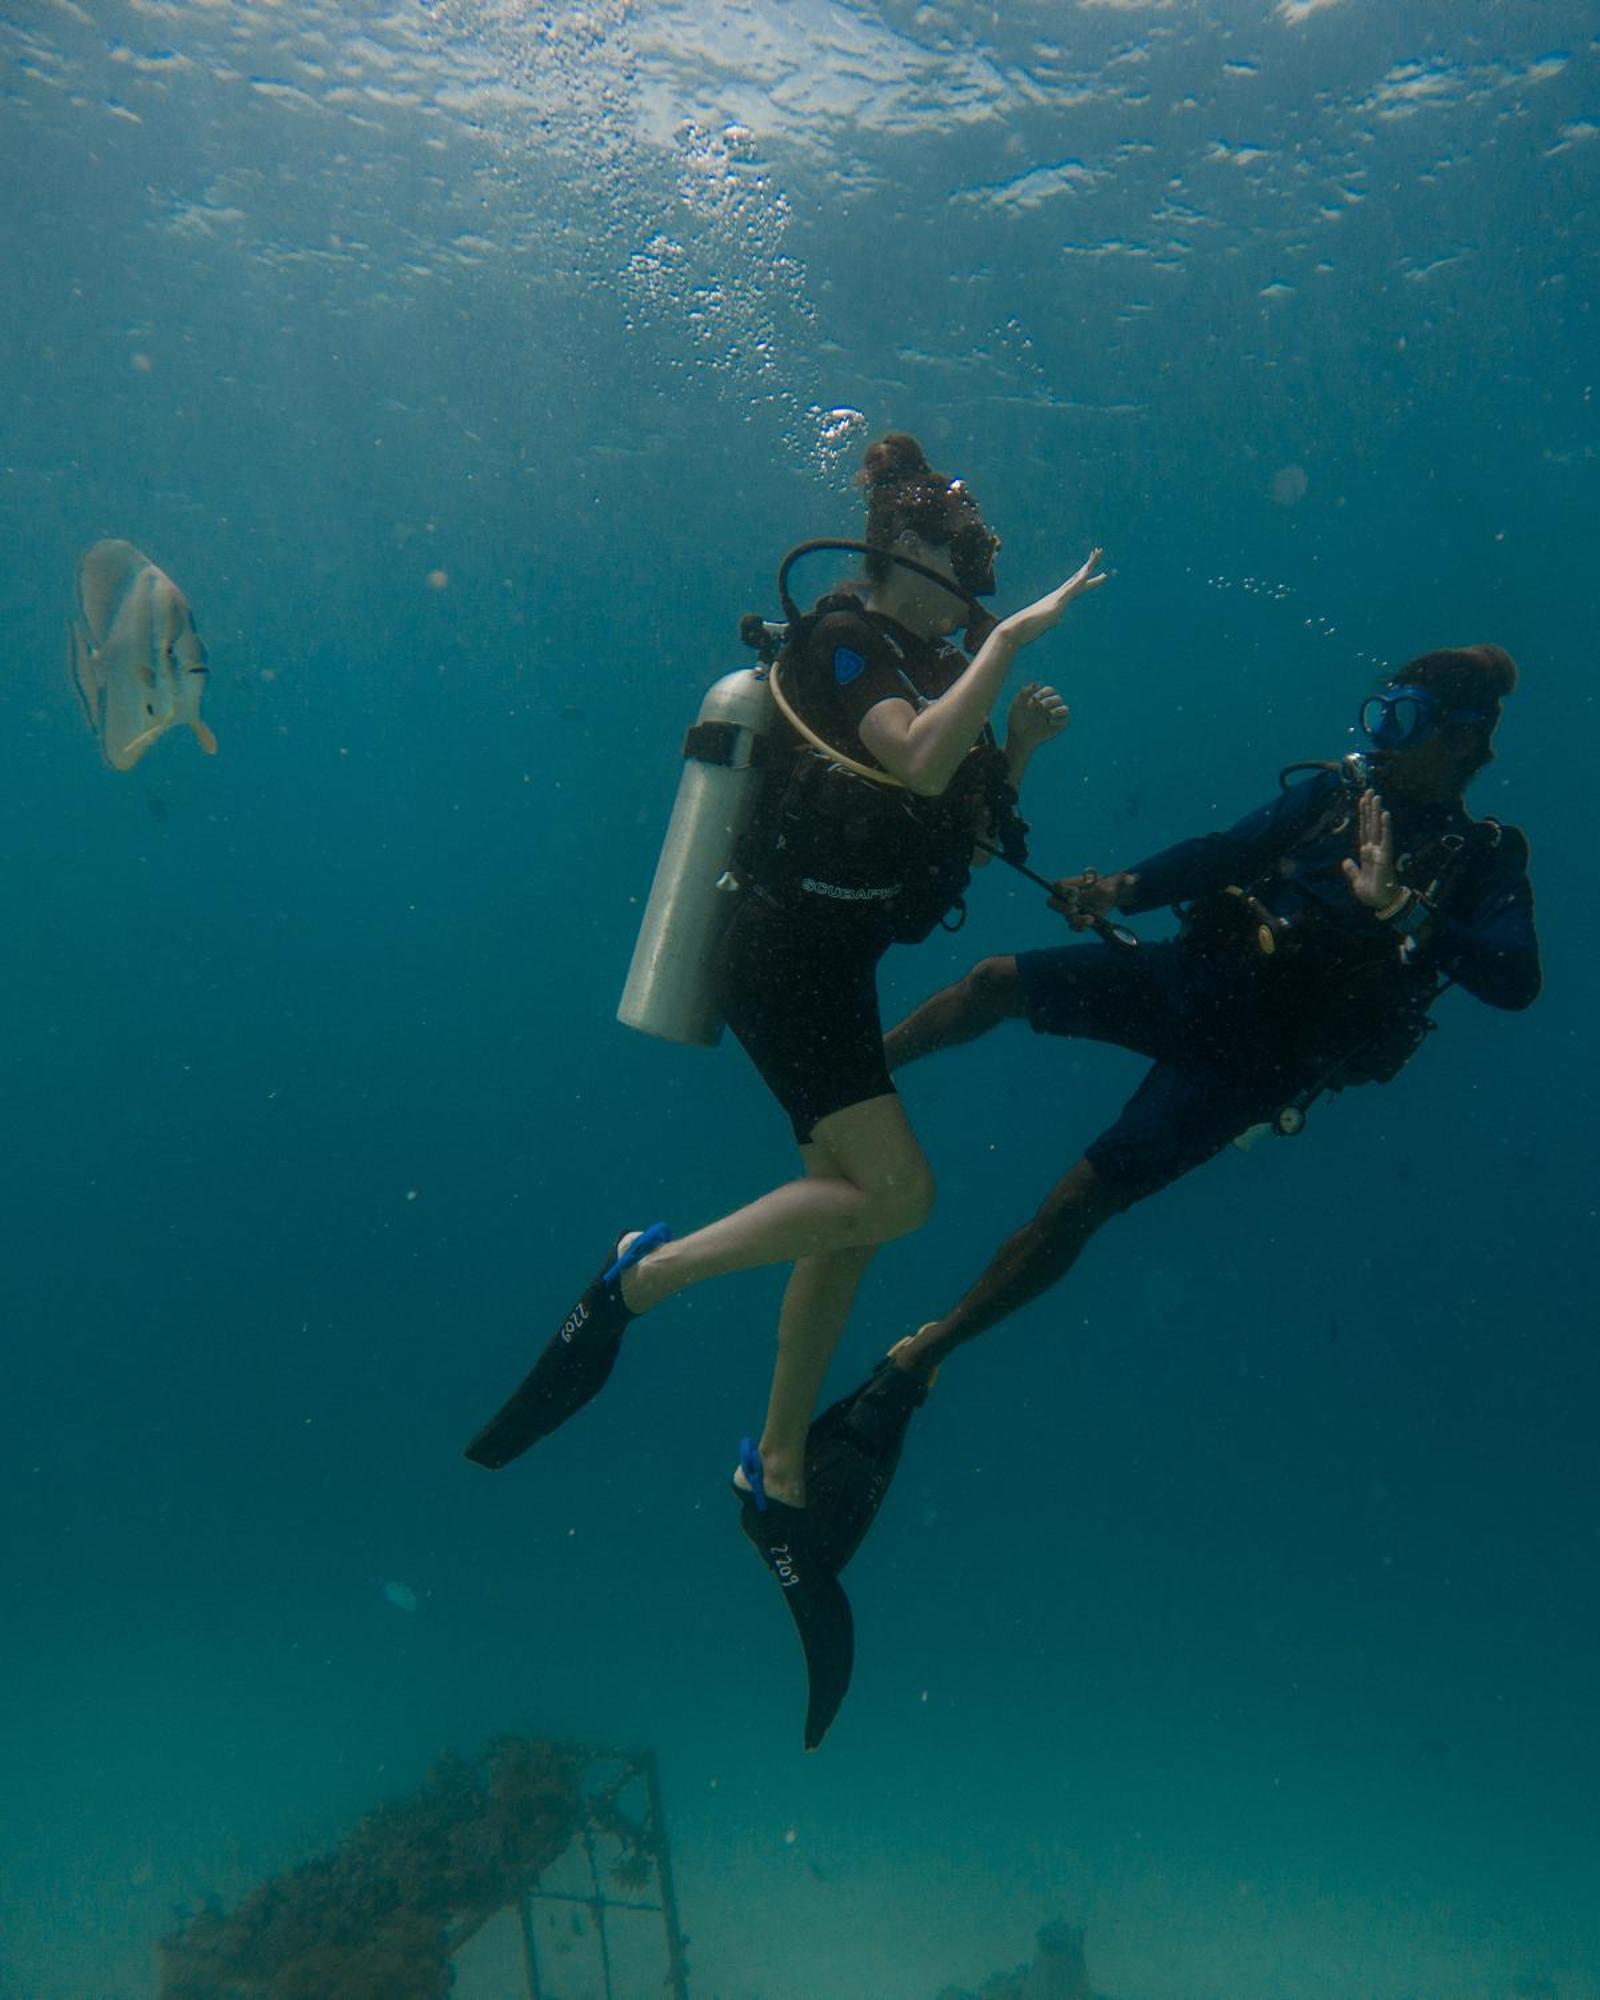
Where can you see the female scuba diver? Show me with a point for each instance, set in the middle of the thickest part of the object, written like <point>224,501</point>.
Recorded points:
<point>882,783</point>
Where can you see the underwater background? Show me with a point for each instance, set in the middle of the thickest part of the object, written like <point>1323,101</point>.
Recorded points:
<point>470,365</point>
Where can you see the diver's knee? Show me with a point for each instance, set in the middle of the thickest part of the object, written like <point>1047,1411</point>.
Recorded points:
<point>997,981</point>
<point>903,1203</point>
<point>1105,1198</point>
<point>994,989</point>
<point>1083,1197</point>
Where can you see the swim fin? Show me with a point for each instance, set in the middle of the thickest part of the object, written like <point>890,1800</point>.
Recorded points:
<point>576,1363</point>
<point>781,1536</point>
<point>852,1453</point>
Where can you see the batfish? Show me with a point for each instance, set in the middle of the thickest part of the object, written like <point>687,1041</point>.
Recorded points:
<point>134,655</point>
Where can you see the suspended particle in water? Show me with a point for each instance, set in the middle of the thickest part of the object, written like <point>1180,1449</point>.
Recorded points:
<point>438,579</point>
<point>1289,484</point>
<point>141,364</point>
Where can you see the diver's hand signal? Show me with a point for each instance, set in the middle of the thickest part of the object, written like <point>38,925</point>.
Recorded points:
<point>1089,577</point>
<point>1037,713</point>
<point>1372,879</point>
<point>1031,623</point>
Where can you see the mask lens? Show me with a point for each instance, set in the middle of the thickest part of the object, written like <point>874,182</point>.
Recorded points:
<point>972,559</point>
<point>1391,721</point>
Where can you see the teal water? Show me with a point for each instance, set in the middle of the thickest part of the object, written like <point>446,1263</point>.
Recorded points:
<point>1238,1601</point>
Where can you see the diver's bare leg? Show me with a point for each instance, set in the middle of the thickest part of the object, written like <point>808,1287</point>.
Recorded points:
<point>876,1186</point>
<point>1029,1263</point>
<point>990,993</point>
<point>816,1305</point>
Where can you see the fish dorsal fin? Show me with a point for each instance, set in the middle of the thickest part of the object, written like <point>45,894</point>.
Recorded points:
<point>84,673</point>
<point>104,575</point>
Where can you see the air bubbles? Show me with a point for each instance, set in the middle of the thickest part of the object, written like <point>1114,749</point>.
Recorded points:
<point>835,434</point>
<point>1252,586</point>
<point>1273,592</point>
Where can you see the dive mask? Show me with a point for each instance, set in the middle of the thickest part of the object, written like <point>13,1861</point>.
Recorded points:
<point>1400,717</point>
<point>972,543</point>
<point>972,551</point>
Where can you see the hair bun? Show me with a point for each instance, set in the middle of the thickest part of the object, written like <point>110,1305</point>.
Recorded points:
<point>1499,670</point>
<point>892,458</point>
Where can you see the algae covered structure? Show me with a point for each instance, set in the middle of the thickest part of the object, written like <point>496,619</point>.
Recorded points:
<point>384,1915</point>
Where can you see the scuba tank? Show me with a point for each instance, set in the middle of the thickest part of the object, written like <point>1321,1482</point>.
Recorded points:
<point>669,990</point>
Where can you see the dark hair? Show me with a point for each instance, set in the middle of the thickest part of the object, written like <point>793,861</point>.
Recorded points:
<point>903,491</point>
<point>1470,677</point>
<point>1463,676</point>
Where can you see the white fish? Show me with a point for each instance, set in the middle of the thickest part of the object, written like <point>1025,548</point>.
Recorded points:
<point>133,654</point>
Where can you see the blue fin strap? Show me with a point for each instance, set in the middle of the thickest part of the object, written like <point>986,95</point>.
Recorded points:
<point>640,1248</point>
<point>750,1465</point>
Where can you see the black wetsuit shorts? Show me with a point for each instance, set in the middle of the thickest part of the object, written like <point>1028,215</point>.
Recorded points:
<point>1218,1068</point>
<point>801,994</point>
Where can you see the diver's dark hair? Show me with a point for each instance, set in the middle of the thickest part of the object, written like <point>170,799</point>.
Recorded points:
<point>1470,677</point>
<point>903,491</point>
<point>1463,676</point>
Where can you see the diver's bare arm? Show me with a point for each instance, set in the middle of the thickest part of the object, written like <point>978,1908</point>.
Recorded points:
<point>924,751</point>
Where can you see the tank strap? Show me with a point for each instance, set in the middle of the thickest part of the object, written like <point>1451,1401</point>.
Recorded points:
<point>729,744</point>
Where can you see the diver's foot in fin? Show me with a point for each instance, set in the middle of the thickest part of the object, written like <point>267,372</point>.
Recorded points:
<point>782,1536</point>
<point>576,1363</point>
<point>852,1453</point>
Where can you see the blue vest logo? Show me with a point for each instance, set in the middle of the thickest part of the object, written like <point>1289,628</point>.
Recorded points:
<point>847,664</point>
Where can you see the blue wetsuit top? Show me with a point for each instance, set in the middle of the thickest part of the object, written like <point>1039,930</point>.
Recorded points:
<point>1482,937</point>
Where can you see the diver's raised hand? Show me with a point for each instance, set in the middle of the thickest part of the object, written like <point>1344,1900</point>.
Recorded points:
<point>1372,879</point>
<point>1034,620</point>
<point>1037,713</point>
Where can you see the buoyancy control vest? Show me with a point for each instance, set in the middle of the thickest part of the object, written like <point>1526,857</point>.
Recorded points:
<point>1346,1002</point>
<point>830,834</point>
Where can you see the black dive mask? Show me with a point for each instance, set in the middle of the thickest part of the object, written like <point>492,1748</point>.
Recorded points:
<point>973,544</point>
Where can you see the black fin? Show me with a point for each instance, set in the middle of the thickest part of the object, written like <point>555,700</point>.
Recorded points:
<point>852,1453</point>
<point>575,1366</point>
<point>816,1602</point>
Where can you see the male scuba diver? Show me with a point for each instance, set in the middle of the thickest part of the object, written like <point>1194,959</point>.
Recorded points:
<point>1315,936</point>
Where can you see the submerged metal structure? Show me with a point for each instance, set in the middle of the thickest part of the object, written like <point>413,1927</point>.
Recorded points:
<point>626,1844</point>
<point>530,1827</point>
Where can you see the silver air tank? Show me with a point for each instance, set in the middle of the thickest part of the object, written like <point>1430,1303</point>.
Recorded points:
<point>671,982</point>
